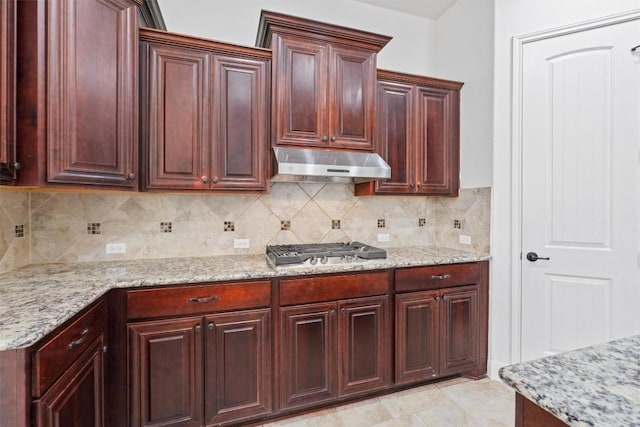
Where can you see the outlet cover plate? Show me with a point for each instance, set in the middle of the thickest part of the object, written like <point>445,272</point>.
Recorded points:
<point>241,243</point>
<point>383,237</point>
<point>116,248</point>
<point>465,240</point>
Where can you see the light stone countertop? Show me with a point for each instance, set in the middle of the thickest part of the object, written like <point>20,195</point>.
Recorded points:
<point>36,299</point>
<point>594,386</point>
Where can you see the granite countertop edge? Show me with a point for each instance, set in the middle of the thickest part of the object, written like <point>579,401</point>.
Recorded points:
<point>36,299</point>
<point>596,385</point>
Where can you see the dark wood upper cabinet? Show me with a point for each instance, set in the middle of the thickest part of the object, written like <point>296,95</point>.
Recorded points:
<point>77,92</point>
<point>7,90</point>
<point>204,114</point>
<point>418,134</point>
<point>324,82</point>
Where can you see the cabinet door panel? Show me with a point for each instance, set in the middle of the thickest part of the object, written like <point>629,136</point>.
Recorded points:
<point>352,98</point>
<point>238,366</point>
<point>301,92</point>
<point>364,345</point>
<point>416,336</point>
<point>438,151</point>
<point>92,92</point>
<point>461,325</point>
<point>240,117</point>
<point>307,354</point>
<point>175,138</point>
<point>7,89</point>
<point>166,372</point>
<point>394,133</point>
<point>76,399</point>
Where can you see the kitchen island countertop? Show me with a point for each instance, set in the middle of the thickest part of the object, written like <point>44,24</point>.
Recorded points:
<point>34,300</point>
<point>594,386</point>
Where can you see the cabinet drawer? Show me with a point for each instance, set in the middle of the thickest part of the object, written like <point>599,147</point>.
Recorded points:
<point>56,355</point>
<point>328,288</point>
<point>435,277</point>
<point>209,298</point>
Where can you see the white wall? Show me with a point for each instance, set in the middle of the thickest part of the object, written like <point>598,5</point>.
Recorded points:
<point>411,50</point>
<point>464,52</point>
<point>516,18</point>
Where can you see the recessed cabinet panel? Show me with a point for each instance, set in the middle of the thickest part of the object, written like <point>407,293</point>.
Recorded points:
<point>239,162</point>
<point>179,82</point>
<point>353,98</point>
<point>308,354</point>
<point>462,325</point>
<point>92,92</point>
<point>434,143</point>
<point>7,89</point>
<point>364,345</point>
<point>301,92</point>
<point>238,366</point>
<point>166,372</point>
<point>395,135</point>
<point>416,336</point>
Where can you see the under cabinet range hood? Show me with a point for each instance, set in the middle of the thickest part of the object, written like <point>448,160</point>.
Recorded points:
<point>317,165</point>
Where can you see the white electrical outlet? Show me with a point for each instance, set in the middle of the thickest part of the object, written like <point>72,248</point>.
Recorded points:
<point>465,240</point>
<point>241,243</point>
<point>116,248</point>
<point>383,237</point>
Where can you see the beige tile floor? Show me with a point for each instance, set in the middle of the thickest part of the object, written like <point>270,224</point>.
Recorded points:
<point>454,403</point>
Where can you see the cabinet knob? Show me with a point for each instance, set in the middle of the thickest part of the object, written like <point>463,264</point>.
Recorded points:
<point>333,138</point>
<point>324,138</point>
<point>210,326</point>
<point>411,185</point>
<point>204,179</point>
<point>17,166</point>
<point>333,312</point>
<point>198,328</point>
<point>105,349</point>
<point>437,298</point>
<point>215,179</point>
<point>131,176</point>
<point>343,311</point>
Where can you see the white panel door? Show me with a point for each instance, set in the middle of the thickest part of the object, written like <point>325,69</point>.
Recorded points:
<point>580,191</point>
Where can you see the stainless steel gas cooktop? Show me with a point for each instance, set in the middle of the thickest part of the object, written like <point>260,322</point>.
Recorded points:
<point>322,253</point>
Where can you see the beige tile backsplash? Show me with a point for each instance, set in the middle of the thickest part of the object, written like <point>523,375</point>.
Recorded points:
<point>69,226</point>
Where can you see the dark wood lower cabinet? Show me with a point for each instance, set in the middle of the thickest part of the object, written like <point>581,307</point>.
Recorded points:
<point>437,333</point>
<point>332,350</point>
<point>166,372</point>
<point>364,345</point>
<point>308,354</point>
<point>196,371</point>
<point>237,366</point>
<point>441,327</point>
<point>76,398</point>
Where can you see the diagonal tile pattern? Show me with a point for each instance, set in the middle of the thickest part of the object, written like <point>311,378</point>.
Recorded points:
<point>455,403</point>
<point>55,223</point>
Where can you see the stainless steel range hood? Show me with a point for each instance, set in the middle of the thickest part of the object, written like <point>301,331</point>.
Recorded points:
<point>309,165</point>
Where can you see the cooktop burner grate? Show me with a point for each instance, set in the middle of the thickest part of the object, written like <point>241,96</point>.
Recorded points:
<point>322,253</point>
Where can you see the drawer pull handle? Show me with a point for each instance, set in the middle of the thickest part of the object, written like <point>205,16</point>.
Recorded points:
<point>440,276</point>
<point>206,299</point>
<point>80,340</point>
